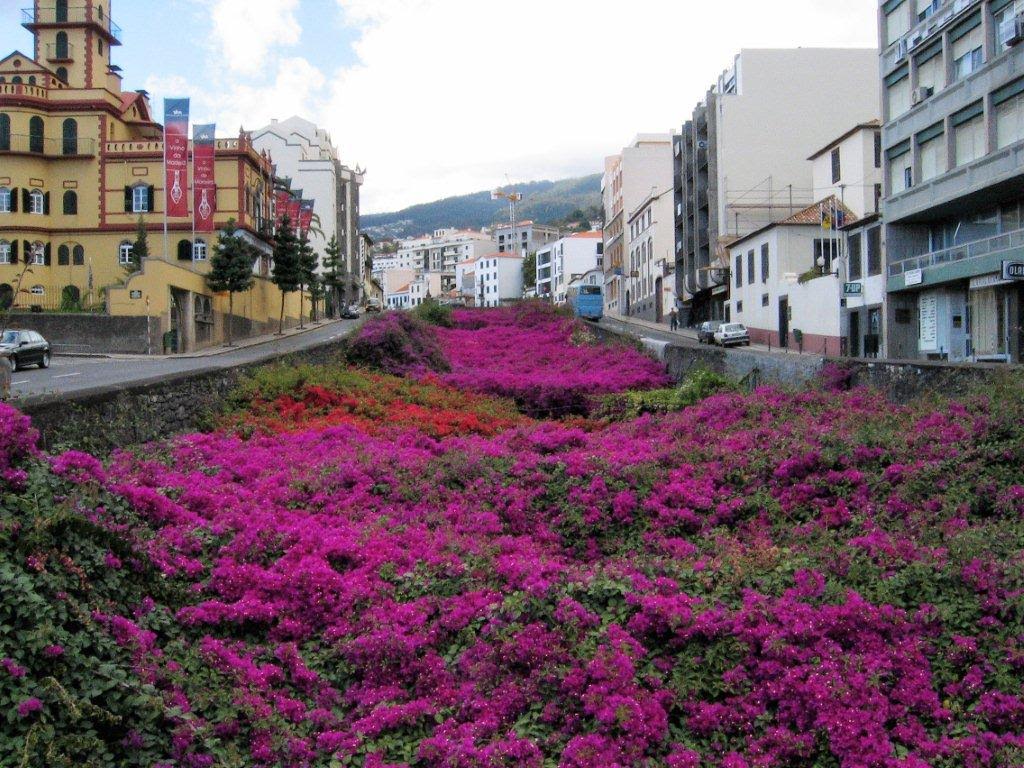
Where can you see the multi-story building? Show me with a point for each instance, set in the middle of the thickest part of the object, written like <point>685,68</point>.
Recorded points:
<point>531,237</point>
<point>564,260</point>
<point>497,279</point>
<point>649,283</point>
<point>953,79</point>
<point>630,177</point>
<point>305,154</point>
<point>740,161</point>
<point>81,164</point>
<point>439,253</point>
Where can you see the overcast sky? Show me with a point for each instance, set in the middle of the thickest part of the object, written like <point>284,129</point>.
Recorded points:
<point>441,97</point>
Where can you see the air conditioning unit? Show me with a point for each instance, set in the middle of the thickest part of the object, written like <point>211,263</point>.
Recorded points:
<point>1014,30</point>
<point>921,94</point>
<point>901,51</point>
<point>914,41</point>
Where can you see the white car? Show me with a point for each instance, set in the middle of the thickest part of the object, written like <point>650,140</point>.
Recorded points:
<point>732,335</point>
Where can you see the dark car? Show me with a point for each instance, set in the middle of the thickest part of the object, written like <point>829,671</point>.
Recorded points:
<point>22,348</point>
<point>706,332</point>
<point>350,313</point>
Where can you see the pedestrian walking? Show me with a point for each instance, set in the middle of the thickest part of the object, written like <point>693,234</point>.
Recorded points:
<point>673,319</point>
<point>5,379</point>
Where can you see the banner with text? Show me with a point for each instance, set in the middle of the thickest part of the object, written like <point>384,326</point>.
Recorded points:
<point>176,157</point>
<point>204,182</point>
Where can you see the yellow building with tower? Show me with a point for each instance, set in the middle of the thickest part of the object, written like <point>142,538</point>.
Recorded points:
<point>81,162</point>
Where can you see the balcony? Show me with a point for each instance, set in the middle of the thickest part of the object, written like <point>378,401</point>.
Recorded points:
<point>52,16</point>
<point>20,144</point>
<point>60,53</point>
<point>24,89</point>
<point>895,54</point>
<point>960,261</point>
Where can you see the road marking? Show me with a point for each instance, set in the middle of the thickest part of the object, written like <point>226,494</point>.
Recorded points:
<point>19,383</point>
<point>67,376</point>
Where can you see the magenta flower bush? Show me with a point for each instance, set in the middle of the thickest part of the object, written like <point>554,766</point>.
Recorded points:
<point>758,581</point>
<point>399,344</point>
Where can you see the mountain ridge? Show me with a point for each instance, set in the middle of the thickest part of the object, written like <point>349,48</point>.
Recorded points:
<point>545,202</point>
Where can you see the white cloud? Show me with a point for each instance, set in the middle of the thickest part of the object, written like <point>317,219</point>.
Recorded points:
<point>450,95</point>
<point>245,31</point>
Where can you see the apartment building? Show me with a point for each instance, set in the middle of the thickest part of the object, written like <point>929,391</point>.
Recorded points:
<point>649,284</point>
<point>953,79</point>
<point>561,262</point>
<point>630,178</point>
<point>740,161</point>
<point>530,235</point>
<point>305,154</point>
<point>439,253</point>
<point>497,279</point>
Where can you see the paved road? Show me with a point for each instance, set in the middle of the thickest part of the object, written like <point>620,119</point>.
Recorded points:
<point>67,375</point>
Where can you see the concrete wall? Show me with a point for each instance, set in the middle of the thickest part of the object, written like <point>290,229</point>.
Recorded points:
<point>74,333</point>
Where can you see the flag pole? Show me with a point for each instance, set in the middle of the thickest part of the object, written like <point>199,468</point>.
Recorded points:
<point>167,194</point>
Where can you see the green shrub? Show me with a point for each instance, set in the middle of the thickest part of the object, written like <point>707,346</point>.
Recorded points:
<point>698,386</point>
<point>433,312</point>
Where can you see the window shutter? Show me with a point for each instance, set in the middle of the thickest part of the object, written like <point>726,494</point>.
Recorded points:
<point>46,255</point>
<point>46,203</point>
<point>14,252</point>
<point>26,200</point>
<point>14,200</point>
<point>184,250</point>
<point>26,252</point>
<point>150,198</point>
<point>127,199</point>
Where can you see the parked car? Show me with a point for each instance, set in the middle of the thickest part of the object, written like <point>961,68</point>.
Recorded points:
<point>350,313</point>
<point>22,348</point>
<point>732,335</point>
<point>706,332</point>
<point>373,306</point>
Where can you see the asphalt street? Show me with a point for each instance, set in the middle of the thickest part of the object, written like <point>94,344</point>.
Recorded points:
<point>68,375</point>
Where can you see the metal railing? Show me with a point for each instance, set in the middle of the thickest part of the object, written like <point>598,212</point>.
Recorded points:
<point>71,15</point>
<point>65,52</point>
<point>957,253</point>
<point>47,147</point>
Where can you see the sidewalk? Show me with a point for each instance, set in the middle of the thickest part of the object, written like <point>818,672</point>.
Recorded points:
<point>221,349</point>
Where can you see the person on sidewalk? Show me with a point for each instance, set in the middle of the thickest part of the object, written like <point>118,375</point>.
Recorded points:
<point>673,319</point>
<point>5,379</point>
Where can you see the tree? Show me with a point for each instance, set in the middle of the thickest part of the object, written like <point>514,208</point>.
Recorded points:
<point>286,274</point>
<point>231,269</point>
<point>333,268</point>
<point>309,261</point>
<point>530,271</point>
<point>140,248</point>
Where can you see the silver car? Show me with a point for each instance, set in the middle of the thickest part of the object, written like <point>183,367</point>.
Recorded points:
<point>732,335</point>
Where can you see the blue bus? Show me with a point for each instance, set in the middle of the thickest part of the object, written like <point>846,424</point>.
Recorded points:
<point>587,301</point>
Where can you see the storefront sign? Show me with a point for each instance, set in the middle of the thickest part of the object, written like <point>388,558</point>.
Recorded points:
<point>913,277</point>
<point>853,289</point>
<point>987,281</point>
<point>1013,270</point>
<point>929,305</point>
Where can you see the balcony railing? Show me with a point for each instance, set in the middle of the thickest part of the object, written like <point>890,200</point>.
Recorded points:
<point>47,147</point>
<point>70,15</point>
<point>56,52</point>
<point>24,89</point>
<point>958,253</point>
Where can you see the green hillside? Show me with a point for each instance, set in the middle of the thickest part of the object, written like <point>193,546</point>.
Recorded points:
<point>543,201</point>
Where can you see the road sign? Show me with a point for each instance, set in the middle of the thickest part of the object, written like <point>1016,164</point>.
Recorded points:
<point>853,289</point>
<point>1013,270</point>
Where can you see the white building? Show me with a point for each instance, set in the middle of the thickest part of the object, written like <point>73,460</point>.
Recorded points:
<point>497,279</point>
<point>561,262</point>
<point>439,253</point>
<point>630,177</point>
<point>649,282</point>
<point>427,285</point>
<point>304,153</point>
<point>531,237</point>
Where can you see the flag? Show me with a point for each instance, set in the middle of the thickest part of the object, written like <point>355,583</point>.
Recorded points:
<point>176,157</point>
<point>204,182</point>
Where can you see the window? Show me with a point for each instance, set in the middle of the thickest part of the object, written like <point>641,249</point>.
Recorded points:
<point>969,134</point>
<point>35,135</point>
<point>1006,23</point>
<point>70,137</point>
<point>750,268</point>
<point>765,300</point>
<point>764,263</point>
<point>124,254</point>
<point>926,8</point>
<point>898,93</point>
<point>61,48</point>
<point>63,256</point>
<point>739,271</point>
<point>38,255</point>
<point>900,171</point>
<point>836,166</point>
<point>140,199</point>
<point>5,252</point>
<point>38,290</point>
<point>5,132</point>
<point>61,12</point>
<point>875,251</point>
<point>739,307</point>
<point>1009,114</point>
<point>6,198</point>
<point>856,261</point>
<point>931,71</point>
<point>968,55</point>
<point>897,23</point>
<point>62,74</point>
<point>932,146</point>
<point>36,202</point>
<point>878,149</point>
<point>70,203</point>
<point>878,198</point>
<point>78,256</point>
<point>199,251</point>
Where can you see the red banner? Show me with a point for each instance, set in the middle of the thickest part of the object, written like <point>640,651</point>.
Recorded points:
<point>306,216</point>
<point>295,213</point>
<point>204,182</point>
<point>282,205</point>
<point>176,157</point>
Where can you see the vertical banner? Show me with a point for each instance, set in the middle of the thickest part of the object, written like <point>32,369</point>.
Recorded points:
<point>176,157</point>
<point>306,216</point>
<point>204,182</point>
<point>282,207</point>
<point>295,209</point>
